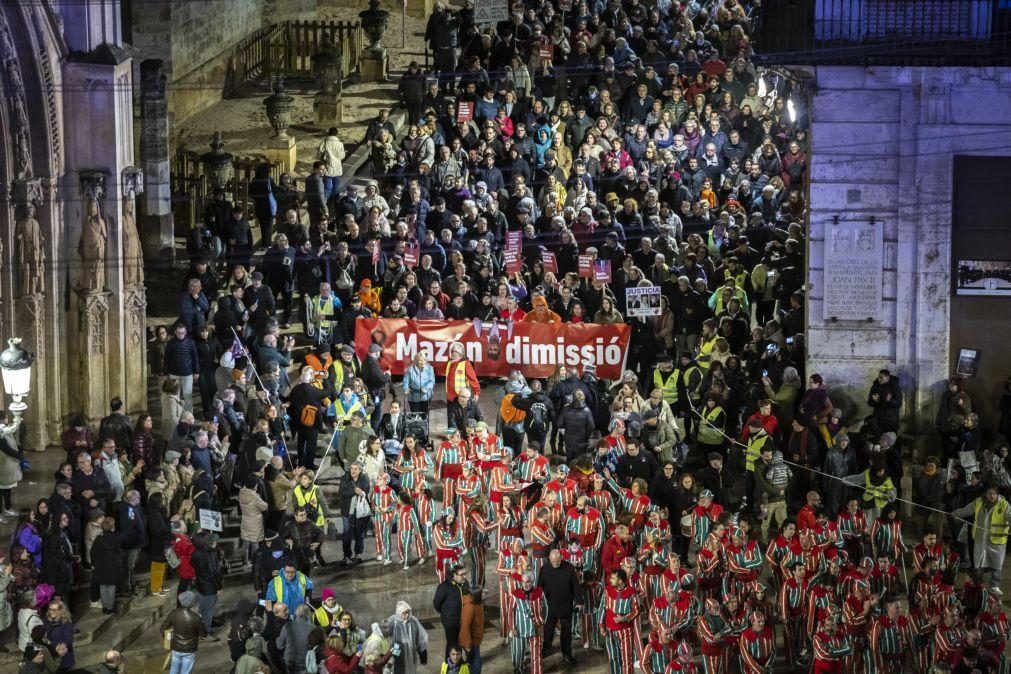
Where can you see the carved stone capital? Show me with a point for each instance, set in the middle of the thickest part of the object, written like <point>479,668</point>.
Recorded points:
<point>93,185</point>
<point>133,181</point>
<point>27,191</point>
<point>135,304</point>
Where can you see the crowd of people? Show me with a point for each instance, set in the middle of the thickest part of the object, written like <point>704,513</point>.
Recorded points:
<point>712,508</point>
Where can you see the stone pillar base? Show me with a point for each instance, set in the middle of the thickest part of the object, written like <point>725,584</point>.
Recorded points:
<point>375,66</point>
<point>328,109</point>
<point>420,7</point>
<point>282,151</point>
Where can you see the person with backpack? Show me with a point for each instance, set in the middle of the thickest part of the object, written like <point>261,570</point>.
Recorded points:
<point>304,408</point>
<point>537,408</point>
<point>511,418</point>
<point>772,477</point>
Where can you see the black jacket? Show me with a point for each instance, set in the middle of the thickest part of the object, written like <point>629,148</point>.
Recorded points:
<point>107,559</point>
<point>373,376</point>
<point>182,357</point>
<point>388,431</point>
<point>187,629</point>
<point>132,526</point>
<point>207,566</point>
<point>561,588</point>
<point>578,424</point>
<point>643,465</point>
<point>448,602</point>
<point>346,490</point>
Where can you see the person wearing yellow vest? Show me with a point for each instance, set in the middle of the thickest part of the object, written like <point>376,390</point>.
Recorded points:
<point>291,587</point>
<point>346,367</point>
<point>328,612</point>
<point>878,488</point>
<point>707,343</point>
<point>665,378</point>
<point>308,496</point>
<point>460,374</point>
<point>322,321</point>
<point>989,514</point>
<point>757,441</point>
<point>712,425</point>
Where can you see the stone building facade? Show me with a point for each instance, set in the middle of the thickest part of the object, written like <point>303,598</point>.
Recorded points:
<point>884,145</point>
<point>67,177</point>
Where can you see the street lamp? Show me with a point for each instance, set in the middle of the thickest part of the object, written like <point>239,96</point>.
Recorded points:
<point>16,366</point>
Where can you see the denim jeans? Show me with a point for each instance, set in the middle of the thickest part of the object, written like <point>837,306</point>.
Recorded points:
<point>474,659</point>
<point>354,531</point>
<point>331,186</point>
<point>206,604</point>
<point>182,663</point>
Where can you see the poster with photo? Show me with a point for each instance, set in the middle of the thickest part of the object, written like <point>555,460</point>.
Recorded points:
<point>983,278</point>
<point>642,301</point>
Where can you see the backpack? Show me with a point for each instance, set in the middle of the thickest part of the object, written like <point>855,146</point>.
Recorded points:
<point>343,280</point>
<point>188,509</point>
<point>538,418</point>
<point>313,665</point>
<point>509,413</point>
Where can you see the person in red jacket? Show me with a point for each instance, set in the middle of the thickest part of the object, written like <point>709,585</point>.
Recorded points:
<point>763,416</point>
<point>806,518</point>
<point>616,548</point>
<point>334,658</point>
<point>460,373</point>
<point>183,547</point>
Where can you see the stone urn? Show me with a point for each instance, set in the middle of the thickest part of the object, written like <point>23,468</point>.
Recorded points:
<point>374,22</point>
<point>279,106</point>
<point>218,163</point>
<point>327,66</point>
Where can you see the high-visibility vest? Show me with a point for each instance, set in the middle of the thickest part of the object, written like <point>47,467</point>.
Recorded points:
<point>338,367</point>
<point>324,309</point>
<point>279,586</point>
<point>669,388</point>
<point>344,416</point>
<point>303,497</point>
<point>685,374</point>
<point>754,450</point>
<point>323,616</point>
<point>708,433</point>
<point>877,494</point>
<point>706,353</point>
<point>998,520</point>
<point>459,375</point>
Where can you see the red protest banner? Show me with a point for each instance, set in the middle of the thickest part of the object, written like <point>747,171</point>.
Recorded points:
<point>512,255</point>
<point>547,51</point>
<point>550,262</point>
<point>602,271</point>
<point>535,348</point>
<point>464,111</point>
<point>586,266</point>
<point>412,253</point>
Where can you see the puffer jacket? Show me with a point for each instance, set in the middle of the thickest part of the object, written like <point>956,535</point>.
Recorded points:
<point>577,422</point>
<point>252,507</point>
<point>331,151</point>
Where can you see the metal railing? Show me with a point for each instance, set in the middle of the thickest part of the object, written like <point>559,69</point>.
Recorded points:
<point>286,50</point>
<point>192,187</point>
<point>901,32</point>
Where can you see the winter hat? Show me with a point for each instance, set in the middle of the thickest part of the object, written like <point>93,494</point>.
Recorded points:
<point>888,440</point>
<point>714,456</point>
<point>328,594</point>
<point>375,350</point>
<point>172,455</point>
<point>187,599</point>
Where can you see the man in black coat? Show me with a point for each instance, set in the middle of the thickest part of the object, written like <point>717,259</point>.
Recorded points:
<point>132,527</point>
<point>375,379</point>
<point>636,464</point>
<point>885,398</point>
<point>278,269</point>
<point>561,586</point>
<point>448,603</point>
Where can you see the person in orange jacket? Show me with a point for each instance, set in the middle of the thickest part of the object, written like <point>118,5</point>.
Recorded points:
<point>369,297</point>
<point>541,313</point>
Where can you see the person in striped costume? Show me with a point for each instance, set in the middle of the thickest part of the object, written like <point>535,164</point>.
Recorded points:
<point>409,531</point>
<point>478,539</point>
<point>486,447</point>
<point>449,459</point>
<point>468,487</point>
<point>412,464</point>
<point>716,637</point>
<point>592,593</point>
<point>659,652</point>
<point>757,646</point>
<point>512,558</point>
<point>585,524</point>
<point>761,601</point>
<point>500,480</point>
<point>710,568</point>
<point>704,515</point>
<point>886,534</point>
<point>831,647</point>
<point>618,613</point>
<point>447,535</point>
<point>811,556</point>
<point>633,501</point>
<point>948,635</point>
<point>682,662</point>
<point>852,524</point>
<point>562,486</point>
<point>528,608</point>
<point>923,621</point>
<point>994,629</point>
<point>556,513</point>
<point>531,467</point>
<point>675,612</point>
<point>384,507</point>
<point>780,551</point>
<point>601,499</point>
<point>744,563</point>
<point>889,641</point>
<point>821,597</point>
<point>511,519</point>
<point>826,532</point>
<point>885,577</point>
<point>792,604</point>
<point>675,574</point>
<point>861,571</point>
<point>928,547</point>
<point>657,526</point>
<point>542,538</point>
<point>653,560</point>
<point>424,505</point>
<point>857,617</point>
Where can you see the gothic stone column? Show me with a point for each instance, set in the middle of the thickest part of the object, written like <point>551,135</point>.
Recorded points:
<point>93,316</point>
<point>134,297</point>
<point>157,226</point>
<point>29,285</point>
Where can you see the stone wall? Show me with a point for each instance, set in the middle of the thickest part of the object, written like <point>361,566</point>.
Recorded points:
<point>882,143</point>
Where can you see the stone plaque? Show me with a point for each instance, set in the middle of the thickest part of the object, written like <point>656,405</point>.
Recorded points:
<point>853,271</point>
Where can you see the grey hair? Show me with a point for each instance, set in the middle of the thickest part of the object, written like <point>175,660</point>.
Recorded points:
<point>303,612</point>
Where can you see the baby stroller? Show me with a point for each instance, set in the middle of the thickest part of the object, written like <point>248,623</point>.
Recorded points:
<point>417,425</point>
<point>392,449</point>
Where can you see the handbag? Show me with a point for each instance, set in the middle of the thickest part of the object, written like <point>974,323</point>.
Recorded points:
<point>171,558</point>
<point>360,508</point>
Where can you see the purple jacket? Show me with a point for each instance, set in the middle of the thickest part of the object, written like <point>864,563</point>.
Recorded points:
<point>30,540</point>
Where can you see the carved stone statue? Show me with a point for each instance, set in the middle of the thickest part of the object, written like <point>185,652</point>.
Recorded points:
<point>94,235</point>
<point>30,251</point>
<point>133,255</point>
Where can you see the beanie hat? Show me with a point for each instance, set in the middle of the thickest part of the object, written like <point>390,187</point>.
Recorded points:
<point>187,599</point>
